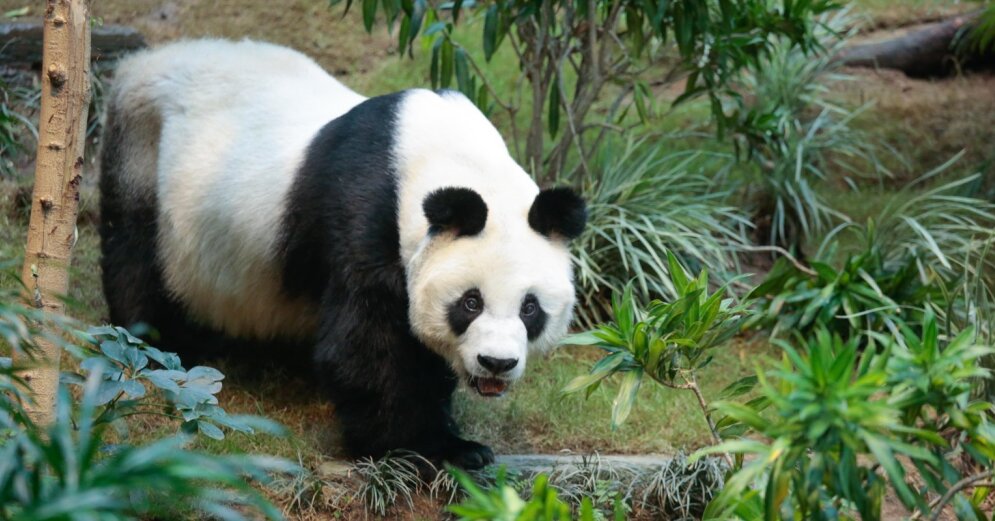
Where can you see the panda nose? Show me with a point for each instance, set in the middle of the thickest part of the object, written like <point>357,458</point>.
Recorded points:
<point>497,365</point>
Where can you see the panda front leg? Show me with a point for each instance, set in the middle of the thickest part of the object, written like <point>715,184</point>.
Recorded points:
<point>390,392</point>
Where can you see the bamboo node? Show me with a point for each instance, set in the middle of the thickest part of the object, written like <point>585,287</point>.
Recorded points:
<point>55,145</point>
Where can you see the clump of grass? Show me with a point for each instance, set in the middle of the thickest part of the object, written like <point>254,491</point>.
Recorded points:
<point>809,139</point>
<point>681,490</point>
<point>644,204</point>
<point>389,480</point>
<point>13,129</point>
<point>596,479</point>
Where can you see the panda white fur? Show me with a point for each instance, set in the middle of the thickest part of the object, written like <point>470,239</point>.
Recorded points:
<point>247,192</point>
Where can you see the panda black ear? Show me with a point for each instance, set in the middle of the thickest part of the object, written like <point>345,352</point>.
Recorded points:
<point>455,209</point>
<point>558,212</point>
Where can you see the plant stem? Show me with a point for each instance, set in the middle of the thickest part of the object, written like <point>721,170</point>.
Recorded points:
<point>936,507</point>
<point>691,383</point>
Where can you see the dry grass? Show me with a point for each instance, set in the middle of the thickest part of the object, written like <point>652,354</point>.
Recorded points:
<point>928,121</point>
<point>339,44</point>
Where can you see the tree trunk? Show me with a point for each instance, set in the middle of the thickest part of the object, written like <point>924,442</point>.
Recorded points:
<point>922,53</point>
<point>65,92</point>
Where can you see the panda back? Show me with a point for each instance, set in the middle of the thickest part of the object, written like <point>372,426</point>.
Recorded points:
<point>234,121</point>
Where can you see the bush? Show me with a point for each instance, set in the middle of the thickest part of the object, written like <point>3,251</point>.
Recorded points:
<point>80,468</point>
<point>930,250</point>
<point>668,342</point>
<point>502,502</point>
<point>569,53</point>
<point>644,206</point>
<point>797,137</point>
<point>844,425</point>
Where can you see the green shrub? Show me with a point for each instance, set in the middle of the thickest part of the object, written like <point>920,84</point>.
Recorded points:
<point>800,137</point>
<point>668,342</point>
<point>501,502</point>
<point>82,466</point>
<point>927,250</point>
<point>13,126</point>
<point>570,53</point>
<point>643,206</point>
<point>842,422</point>
<point>864,295</point>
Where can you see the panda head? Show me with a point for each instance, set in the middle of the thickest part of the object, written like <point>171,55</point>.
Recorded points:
<point>491,284</point>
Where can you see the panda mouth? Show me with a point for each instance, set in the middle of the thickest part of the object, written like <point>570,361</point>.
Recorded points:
<point>490,387</point>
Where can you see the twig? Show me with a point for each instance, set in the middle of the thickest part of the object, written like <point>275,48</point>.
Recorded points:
<point>691,384</point>
<point>777,249</point>
<point>937,505</point>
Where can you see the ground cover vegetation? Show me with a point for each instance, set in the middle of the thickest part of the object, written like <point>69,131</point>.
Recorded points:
<point>787,271</point>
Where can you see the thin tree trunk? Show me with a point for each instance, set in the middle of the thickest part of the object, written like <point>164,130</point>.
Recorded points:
<point>59,168</point>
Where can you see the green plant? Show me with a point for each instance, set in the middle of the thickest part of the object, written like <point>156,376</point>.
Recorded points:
<point>981,37</point>
<point>12,126</point>
<point>842,421</point>
<point>644,204</point>
<point>801,137</point>
<point>571,52</point>
<point>930,249</point>
<point>682,489</point>
<point>82,466</point>
<point>503,503</point>
<point>130,365</point>
<point>668,342</point>
<point>388,480</point>
<point>864,295</point>
<point>70,471</point>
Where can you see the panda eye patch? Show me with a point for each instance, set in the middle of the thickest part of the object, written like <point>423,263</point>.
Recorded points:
<point>464,310</point>
<point>533,316</point>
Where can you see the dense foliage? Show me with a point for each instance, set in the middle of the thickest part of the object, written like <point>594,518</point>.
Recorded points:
<point>570,52</point>
<point>858,404</point>
<point>83,466</point>
<point>846,423</point>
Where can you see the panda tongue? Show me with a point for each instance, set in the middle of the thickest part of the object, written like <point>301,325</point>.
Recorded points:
<point>491,386</point>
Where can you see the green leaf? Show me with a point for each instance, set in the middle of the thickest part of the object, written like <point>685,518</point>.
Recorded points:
<point>210,430</point>
<point>738,388</point>
<point>369,14</point>
<point>626,397</point>
<point>446,64</point>
<point>463,74</point>
<point>490,31</point>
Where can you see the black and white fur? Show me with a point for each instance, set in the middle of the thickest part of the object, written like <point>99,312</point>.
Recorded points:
<point>248,193</point>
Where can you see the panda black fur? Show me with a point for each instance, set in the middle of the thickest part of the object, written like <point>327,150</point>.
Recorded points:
<point>247,195</point>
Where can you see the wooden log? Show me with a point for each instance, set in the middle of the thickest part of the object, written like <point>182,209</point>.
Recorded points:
<point>21,42</point>
<point>921,53</point>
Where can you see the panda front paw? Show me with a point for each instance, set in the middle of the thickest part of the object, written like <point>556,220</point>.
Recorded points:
<point>468,455</point>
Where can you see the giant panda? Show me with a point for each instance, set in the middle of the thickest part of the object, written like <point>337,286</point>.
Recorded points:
<point>246,192</point>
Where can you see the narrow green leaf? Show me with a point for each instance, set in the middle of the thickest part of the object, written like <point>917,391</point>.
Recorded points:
<point>622,405</point>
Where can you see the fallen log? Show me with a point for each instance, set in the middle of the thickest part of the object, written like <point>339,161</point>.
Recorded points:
<point>921,53</point>
<point>21,42</point>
